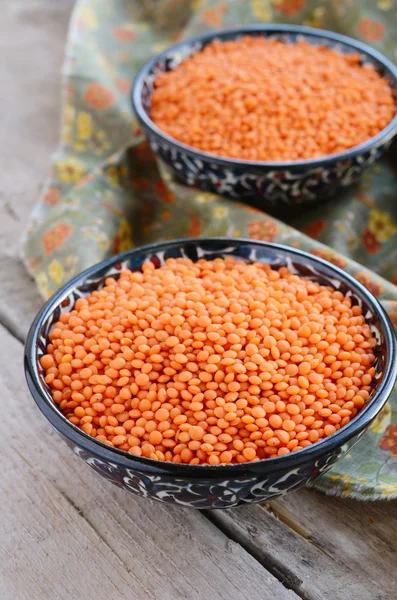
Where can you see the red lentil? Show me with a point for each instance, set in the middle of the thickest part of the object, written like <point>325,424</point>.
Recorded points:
<point>243,409</point>
<point>262,99</point>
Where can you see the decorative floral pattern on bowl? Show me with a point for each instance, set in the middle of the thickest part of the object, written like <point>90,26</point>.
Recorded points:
<point>290,183</point>
<point>210,493</point>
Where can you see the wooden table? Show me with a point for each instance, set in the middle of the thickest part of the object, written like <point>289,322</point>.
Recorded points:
<point>67,534</point>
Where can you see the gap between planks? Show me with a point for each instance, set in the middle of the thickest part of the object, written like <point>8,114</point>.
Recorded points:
<point>157,551</point>
<point>305,561</point>
<point>302,562</point>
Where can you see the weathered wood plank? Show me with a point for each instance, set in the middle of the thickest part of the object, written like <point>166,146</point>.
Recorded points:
<point>363,533</point>
<point>19,298</point>
<point>32,41</point>
<point>321,548</point>
<point>60,516</point>
<point>32,46</point>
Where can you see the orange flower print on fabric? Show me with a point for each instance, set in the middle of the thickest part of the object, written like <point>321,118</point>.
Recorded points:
<point>314,229</point>
<point>265,230</point>
<point>195,227</point>
<point>99,96</point>
<point>371,30</point>
<point>123,85</point>
<point>166,215</point>
<point>330,256</point>
<point>373,286</point>
<point>213,16</point>
<point>52,196</point>
<point>392,312</point>
<point>393,317</point>
<point>162,190</point>
<point>124,34</point>
<point>34,263</point>
<point>388,443</point>
<point>143,154</point>
<point>123,238</point>
<point>371,242</point>
<point>140,183</point>
<point>367,200</point>
<point>55,237</point>
<point>84,181</point>
<point>176,36</point>
<point>289,8</point>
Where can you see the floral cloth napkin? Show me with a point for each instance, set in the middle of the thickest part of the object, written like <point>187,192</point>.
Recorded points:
<point>106,193</point>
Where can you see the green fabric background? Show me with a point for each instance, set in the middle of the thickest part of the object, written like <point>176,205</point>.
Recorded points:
<point>106,193</point>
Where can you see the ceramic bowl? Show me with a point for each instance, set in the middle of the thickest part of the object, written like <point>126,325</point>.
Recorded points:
<point>271,183</point>
<point>220,486</point>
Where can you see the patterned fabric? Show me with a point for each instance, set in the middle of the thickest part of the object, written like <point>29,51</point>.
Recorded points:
<point>106,192</point>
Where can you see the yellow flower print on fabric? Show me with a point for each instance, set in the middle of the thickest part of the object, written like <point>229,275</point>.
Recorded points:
<point>113,175</point>
<point>160,46</point>
<point>381,225</point>
<point>84,126</point>
<point>89,18</point>
<point>315,20</point>
<point>261,10</point>
<point>99,142</point>
<point>55,272</point>
<point>344,478</point>
<point>79,147</point>
<point>384,4</point>
<point>382,421</point>
<point>319,12</point>
<point>42,282</point>
<point>100,238</point>
<point>220,212</point>
<point>68,114</point>
<point>205,198</point>
<point>388,489</point>
<point>70,170</point>
<point>123,238</point>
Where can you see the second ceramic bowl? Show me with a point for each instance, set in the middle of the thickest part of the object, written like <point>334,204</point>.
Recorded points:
<point>274,184</point>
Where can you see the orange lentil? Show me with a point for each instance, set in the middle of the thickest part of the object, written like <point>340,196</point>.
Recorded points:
<point>230,399</point>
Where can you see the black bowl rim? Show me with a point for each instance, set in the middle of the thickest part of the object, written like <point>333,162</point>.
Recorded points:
<point>382,137</point>
<point>323,447</point>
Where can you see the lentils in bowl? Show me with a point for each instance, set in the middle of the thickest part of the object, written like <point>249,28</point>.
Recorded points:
<point>211,372</point>
<point>285,113</point>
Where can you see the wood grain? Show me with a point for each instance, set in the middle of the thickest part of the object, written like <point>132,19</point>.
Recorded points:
<point>32,43</point>
<point>67,530</point>
<point>321,547</point>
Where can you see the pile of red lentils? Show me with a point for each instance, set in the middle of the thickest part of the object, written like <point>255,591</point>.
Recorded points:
<point>259,98</point>
<point>211,362</point>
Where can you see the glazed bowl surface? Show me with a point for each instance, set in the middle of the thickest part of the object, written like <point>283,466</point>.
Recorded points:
<point>269,184</point>
<point>205,486</point>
